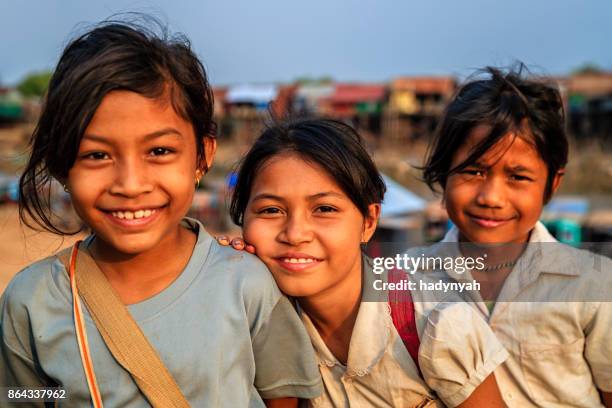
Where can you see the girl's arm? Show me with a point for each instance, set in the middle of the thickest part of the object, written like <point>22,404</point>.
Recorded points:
<point>485,395</point>
<point>458,355</point>
<point>282,403</point>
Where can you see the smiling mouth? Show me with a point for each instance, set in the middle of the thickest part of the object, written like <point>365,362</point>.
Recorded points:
<point>133,218</point>
<point>296,263</point>
<point>131,215</point>
<point>489,222</point>
<point>298,260</point>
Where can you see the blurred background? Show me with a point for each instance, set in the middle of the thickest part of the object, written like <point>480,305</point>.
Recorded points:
<point>386,67</point>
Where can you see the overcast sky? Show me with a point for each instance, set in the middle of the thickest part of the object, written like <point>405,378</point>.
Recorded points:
<point>359,40</point>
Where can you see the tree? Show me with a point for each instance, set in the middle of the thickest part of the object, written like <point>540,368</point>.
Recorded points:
<point>35,84</point>
<point>587,68</point>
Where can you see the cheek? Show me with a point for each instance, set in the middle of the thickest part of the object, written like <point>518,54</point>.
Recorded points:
<point>343,242</point>
<point>530,204</point>
<point>258,233</point>
<point>455,196</point>
<point>178,182</point>
<point>85,186</point>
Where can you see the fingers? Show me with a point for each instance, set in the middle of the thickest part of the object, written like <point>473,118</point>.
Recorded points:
<point>238,243</point>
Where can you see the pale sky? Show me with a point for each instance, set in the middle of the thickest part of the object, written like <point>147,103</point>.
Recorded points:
<point>358,40</point>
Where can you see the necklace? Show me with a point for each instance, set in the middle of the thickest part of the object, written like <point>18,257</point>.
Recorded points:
<point>498,266</point>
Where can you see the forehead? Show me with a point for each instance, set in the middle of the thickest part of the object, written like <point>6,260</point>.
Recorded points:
<point>289,174</point>
<point>126,113</point>
<point>513,148</point>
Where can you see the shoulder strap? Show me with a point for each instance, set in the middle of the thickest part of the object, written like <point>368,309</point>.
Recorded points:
<point>121,333</point>
<point>402,313</point>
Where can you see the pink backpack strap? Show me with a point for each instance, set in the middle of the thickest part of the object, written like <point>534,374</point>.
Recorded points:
<point>402,313</point>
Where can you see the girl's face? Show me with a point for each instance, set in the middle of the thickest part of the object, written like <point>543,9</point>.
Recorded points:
<point>133,179</point>
<point>304,227</point>
<point>500,198</point>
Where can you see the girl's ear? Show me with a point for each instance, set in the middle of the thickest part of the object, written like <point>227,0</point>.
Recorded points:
<point>557,181</point>
<point>370,222</point>
<point>209,145</point>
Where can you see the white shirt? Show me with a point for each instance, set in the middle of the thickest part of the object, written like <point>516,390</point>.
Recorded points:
<point>553,315</point>
<point>457,352</point>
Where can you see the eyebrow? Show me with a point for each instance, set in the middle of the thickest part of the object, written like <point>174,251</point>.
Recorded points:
<point>147,137</point>
<point>520,169</point>
<point>264,196</point>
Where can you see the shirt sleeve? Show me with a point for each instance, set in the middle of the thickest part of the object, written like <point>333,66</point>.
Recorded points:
<point>284,357</point>
<point>458,351</point>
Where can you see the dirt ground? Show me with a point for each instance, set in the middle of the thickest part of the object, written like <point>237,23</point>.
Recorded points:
<point>20,246</point>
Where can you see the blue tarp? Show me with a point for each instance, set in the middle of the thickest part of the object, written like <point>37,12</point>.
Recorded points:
<point>567,205</point>
<point>399,200</point>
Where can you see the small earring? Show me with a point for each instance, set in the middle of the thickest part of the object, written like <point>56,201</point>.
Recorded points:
<point>65,188</point>
<point>198,177</point>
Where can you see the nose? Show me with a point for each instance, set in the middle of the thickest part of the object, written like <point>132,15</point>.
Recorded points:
<point>491,193</point>
<point>131,178</point>
<point>296,230</point>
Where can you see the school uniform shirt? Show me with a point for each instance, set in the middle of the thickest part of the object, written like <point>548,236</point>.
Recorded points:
<point>381,373</point>
<point>222,328</point>
<point>560,350</point>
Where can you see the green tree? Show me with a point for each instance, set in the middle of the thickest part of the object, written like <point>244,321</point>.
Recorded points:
<point>34,84</point>
<point>587,68</point>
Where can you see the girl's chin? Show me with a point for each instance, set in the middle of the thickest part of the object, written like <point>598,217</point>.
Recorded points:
<point>486,239</point>
<point>296,290</point>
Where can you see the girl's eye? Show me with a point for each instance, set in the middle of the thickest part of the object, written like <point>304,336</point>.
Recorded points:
<point>160,151</point>
<point>518,177</point>
<point>473,172</point>
<point>96,156</point>
<point>269,211</point>
<point>326,209</point>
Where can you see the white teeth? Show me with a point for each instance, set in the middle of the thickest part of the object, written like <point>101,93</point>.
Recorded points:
<point>130,215</point>
<point>298,260</point>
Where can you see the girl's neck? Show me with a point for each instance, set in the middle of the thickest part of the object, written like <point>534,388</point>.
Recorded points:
<point>493,253</point>
<point>334,312</point>
<point>136,277</point>
<point>499,262</point>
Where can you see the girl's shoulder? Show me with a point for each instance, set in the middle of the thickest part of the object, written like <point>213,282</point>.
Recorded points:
<point>227,266</point>
<point>243,272</point>
<point>242,266</point>
<point>35,296</point>
<point>38,280</point>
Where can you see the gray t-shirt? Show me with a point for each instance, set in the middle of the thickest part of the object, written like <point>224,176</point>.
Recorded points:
<point>223,329</point>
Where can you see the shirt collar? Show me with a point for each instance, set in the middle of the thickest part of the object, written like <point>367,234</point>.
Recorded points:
<point>369,340</point>
<point>544,253</point>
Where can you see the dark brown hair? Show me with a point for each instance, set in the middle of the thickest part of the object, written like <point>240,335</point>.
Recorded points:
<point>114,55</point>
<point>333,145</point>
<point>504,102</point>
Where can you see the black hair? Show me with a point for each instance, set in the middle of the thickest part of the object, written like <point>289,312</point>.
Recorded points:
<point>506,101</point>
<point>114,55</point>
<point>333,145</point>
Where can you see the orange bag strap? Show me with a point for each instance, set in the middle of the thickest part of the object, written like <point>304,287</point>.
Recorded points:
<point>81,333</point>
